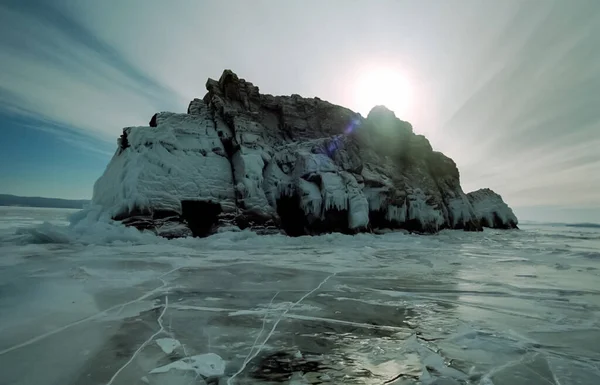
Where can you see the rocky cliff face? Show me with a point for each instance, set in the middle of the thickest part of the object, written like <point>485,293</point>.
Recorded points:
<point>491,211</point>
<point>272,163</point>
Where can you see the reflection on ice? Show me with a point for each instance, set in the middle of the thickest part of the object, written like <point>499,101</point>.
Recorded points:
<point>499,308</point>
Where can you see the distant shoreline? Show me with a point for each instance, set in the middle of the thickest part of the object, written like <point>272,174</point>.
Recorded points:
<point>40,202</point>
<point>565,224</point>
<point>590,225</point>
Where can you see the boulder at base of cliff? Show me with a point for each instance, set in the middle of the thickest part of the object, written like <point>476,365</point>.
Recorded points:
<point>491,210</point>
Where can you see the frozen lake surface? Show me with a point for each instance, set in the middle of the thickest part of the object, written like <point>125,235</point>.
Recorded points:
<point>99,304</point>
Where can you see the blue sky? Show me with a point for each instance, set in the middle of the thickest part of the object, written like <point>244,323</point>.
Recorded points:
<point>508,89</point>
<point>41,162</point>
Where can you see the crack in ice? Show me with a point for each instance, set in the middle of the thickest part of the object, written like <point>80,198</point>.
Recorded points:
<point>260,348</point>
<point>262,329</point>
<point>143,345</point>
<point>239,312</point>
<point>90,318</point>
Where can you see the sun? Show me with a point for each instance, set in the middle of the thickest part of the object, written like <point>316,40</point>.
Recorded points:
<point>383,86</point>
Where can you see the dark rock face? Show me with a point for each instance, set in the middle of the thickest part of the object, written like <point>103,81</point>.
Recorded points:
<point>285,163</point>
<point>201,217</point>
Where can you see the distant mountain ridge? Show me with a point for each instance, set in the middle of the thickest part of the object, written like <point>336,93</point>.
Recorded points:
<point>585,224</point>
<point>14,200</point>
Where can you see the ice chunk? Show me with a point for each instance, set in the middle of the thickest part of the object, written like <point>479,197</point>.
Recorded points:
<point>168,345</point>
<point>206,365</point>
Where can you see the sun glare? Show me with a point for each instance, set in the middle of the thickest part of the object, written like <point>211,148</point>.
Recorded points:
<point>383,86</point>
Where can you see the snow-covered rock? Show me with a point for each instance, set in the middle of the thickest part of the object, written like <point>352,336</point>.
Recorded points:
<point>491,210</point>
<point>156,170</point>
<point>284,163</point>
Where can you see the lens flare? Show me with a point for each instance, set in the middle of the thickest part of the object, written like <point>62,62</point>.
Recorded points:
<point>383,86</point>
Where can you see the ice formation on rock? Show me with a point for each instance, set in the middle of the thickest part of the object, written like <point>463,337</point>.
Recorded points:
<point>491,210</point>
<point>272,163</point>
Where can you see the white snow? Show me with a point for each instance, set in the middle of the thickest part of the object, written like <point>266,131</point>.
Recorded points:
<point>248,165</point>
<point>181,158</point>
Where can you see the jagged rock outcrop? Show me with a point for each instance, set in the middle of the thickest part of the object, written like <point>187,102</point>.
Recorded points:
<point>491,210</point>
<point>271,163</point>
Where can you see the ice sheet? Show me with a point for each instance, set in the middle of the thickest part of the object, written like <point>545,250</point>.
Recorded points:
<point>95,303</point>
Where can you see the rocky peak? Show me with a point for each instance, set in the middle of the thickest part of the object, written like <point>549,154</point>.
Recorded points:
<point>284,163</point>
<point>231,88</point>
<point>381,113</point>
<point>491,210</point>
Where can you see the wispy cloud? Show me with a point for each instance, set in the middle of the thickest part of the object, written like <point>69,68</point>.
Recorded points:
<point>531,130</point>
<point>56,69</point>
<point>508,89</point>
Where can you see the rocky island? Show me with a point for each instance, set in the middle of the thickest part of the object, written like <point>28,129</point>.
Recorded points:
<point>289,164</point>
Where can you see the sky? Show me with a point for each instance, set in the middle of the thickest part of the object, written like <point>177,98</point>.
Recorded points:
<point>508,89</point>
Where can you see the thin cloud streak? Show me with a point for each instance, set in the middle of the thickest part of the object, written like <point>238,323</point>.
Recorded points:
<point>71,79</point>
